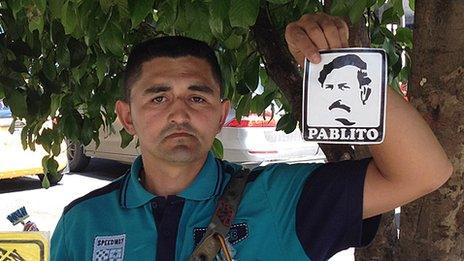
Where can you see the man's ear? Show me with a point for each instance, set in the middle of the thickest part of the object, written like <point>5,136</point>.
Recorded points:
<point>225,106</point>
<point>124,116</point>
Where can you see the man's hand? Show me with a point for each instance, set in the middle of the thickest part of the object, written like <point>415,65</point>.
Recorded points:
<point>315,32</point>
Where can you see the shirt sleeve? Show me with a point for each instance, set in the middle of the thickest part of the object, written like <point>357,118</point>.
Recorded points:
<point>58,249</point>
<point>329,210</point>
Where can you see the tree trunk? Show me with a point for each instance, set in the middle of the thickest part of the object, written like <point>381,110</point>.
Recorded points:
<point>432,228</point>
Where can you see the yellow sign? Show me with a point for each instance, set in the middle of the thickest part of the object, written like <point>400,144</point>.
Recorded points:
<point>24,246</point>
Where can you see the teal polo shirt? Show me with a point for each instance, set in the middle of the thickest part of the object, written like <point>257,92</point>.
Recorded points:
<point>298,211</point>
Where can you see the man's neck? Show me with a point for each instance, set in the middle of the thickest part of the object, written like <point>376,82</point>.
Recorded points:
<point>165,178</point>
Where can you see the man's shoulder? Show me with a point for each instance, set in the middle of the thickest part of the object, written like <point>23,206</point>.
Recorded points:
<point>274,171</point>
<point>107,190</point>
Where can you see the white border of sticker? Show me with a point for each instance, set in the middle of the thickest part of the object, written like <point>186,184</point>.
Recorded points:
<point>381,128</point>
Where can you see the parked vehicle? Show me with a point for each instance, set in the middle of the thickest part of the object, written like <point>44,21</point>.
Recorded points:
<point>16,162</point>
<point>252,141</point>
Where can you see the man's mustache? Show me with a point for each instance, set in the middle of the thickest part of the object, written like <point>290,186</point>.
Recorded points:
<point>338,105</point>
<point>177,128</point>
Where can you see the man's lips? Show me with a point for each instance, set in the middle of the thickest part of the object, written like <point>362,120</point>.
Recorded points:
<point>179,135</point>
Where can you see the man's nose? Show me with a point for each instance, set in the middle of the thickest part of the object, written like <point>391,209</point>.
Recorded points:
<point>179,112</point>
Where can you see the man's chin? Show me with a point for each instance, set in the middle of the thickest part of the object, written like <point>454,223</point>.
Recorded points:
<point>182,154</point>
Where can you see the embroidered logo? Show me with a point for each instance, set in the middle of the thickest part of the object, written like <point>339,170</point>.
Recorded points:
<point>109,248</point>
<point>237,233</point>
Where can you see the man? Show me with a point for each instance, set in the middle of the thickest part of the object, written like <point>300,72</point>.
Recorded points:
<point>161,209</point>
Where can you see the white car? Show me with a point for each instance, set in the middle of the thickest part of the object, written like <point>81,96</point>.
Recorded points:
<point>252,141</point>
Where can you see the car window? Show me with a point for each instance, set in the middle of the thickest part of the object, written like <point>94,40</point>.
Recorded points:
<point>4,111</point>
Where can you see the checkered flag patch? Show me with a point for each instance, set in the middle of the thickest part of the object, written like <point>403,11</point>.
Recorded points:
<point>109,248</point>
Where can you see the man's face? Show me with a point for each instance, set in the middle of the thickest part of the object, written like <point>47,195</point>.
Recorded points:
<point>345,103</point>
<point>175,109</point>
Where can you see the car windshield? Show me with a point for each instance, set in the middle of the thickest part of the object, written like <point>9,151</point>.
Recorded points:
<point>4,111</point>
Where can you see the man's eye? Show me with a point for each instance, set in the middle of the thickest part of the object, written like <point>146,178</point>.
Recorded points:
<point>329,86</point>
<point>343,86</point>
<point>159,99</point>
<point>198,100</point>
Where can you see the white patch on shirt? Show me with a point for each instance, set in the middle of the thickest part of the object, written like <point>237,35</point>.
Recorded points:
<point>109,248</point>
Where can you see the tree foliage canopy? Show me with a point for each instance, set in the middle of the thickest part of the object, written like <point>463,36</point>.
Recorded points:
<point>63,58</point>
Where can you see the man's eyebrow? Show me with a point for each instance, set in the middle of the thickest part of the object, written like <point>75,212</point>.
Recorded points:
<point>156,89</point>
<point>201,88</point>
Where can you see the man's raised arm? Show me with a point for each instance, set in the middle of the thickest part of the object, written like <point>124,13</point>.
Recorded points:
<point>410,162</point>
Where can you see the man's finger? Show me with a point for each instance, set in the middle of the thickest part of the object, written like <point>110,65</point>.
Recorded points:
<point>330,31</point>
<point>300,45</point>
<point>313,31</point>
<point>343,31</point>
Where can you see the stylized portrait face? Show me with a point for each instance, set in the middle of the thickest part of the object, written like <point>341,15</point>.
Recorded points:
<point>345,90</point>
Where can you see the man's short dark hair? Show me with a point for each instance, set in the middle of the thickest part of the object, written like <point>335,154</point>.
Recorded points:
<point>171,47</point>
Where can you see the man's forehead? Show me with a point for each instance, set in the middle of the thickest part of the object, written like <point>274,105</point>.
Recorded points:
<point>186,67</point>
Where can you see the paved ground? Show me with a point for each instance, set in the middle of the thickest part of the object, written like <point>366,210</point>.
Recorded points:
<point>45,206</point>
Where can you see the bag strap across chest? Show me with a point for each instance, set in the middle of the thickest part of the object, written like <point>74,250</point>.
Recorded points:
<point>214,238</point>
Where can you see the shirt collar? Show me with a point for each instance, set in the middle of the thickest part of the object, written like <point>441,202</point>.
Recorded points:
<point>205,185</point>
<point>133,194</point>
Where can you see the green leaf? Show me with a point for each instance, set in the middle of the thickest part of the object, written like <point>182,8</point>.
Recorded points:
<point>69,17</point>
<point>106,5</point>
<point>15,6</point>
<point>357,10</point>
<point>17,102</point>
<point>197,16</point>
<point>63,57</point>
<point>398,5</point>
<point>78,51</point>
<point>126,138</point>
<point>45,181</point>
<point>339,8</point>
<point>36,20</point>
<point>243,13</point>
<point>218,149</point>
<point>139,9</point>
<point>167,13</point>
<point>55,102</point>
<point>52,166</point>
<point>102,67</point>
<point>233,42</point>
<point>11,129</point>
<point>41,5</point>
<point>412,4</point>
<point>24,132</point>
<point>218,11</point>
<point>251,76</point>
<point>55,8</point>
<point>287,123</point>
<point>243,107</point>
<point>390,16</point>
<point>404,35</point>
<point>49,68</point>
<point>112,39</point>
<point>86,132</point>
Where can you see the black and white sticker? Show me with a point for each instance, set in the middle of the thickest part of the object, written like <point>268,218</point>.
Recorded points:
<point>344,97</point>
<point>109,248</point>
